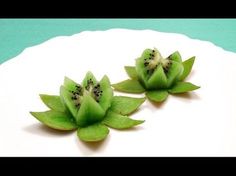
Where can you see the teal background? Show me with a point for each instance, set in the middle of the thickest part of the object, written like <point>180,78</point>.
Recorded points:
<point>17,34</point>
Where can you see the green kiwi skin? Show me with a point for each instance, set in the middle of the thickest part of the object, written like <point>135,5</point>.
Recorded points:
<point>107,94</point>
<point>140,68</point>
<point>56,120</point>
<point>68,102</point>
<point>174,73</point>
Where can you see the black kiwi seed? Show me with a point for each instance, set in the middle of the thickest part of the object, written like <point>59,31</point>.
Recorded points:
<point>165,69</point>
<point>78,87</point>
<point>153,51</point>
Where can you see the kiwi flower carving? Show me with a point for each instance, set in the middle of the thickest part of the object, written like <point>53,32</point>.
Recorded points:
<point>89,108</point>
<point>158,76</point>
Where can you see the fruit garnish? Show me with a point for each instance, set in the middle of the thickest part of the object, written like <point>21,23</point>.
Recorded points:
<point>90,108</point>
<point>157,76</point>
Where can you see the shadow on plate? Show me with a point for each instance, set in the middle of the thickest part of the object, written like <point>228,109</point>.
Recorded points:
<point>42,130</point>
<point>187,96</point>
<point>159,104</point>
<point>133,129</point>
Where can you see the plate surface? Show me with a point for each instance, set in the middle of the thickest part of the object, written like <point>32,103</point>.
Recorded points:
<point>200,123</point>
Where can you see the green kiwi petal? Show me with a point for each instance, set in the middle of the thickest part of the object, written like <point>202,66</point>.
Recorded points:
<point>55,120</point>
<point>129,86</point>
<point>176,57</point>
<point>89,112</point>
<point>88,76</point>
<point>131,71</point>
<point>53,102</point>
<point>107,93</point>
<point>182,87</point>
<point>141,69</point>
<point>69,84</point>
<point>93,133</point>
<point>118,121</point>
<point>125,105</point>
<point>158,79</point>
<point>157,95</point>
<point>66,98</point>
<point>188,64</point>
<point>175,71</point>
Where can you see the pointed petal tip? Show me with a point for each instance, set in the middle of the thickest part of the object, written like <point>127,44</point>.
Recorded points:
<point>41,96</point>
<point>106,78</point>
<point>129,86</point>
<point>140,122</point>
<point>183,87</point>
<point>192,59</point>
<point>66,78</point>
<point>176,52</point>
<point>89,72</point>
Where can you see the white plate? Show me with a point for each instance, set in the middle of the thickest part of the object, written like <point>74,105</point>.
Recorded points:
<point>201,123</point>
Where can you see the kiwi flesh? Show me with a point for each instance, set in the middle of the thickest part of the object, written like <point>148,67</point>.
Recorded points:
<point>87,102</point>
<point>156,72</point>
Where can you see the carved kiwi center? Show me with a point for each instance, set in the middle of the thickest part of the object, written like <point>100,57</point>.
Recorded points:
<point>154,60</point>
<point>92,89</point>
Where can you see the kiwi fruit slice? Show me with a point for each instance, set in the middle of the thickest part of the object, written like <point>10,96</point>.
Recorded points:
<point>155,72</point>
<point>89,112</point>
<point>141,64</point>
<point>157,76</point>
<point>106,93</point>
<point>161,82</point>
<point>85,107</point>
<point>173,72</point>
<point>87,102</point>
